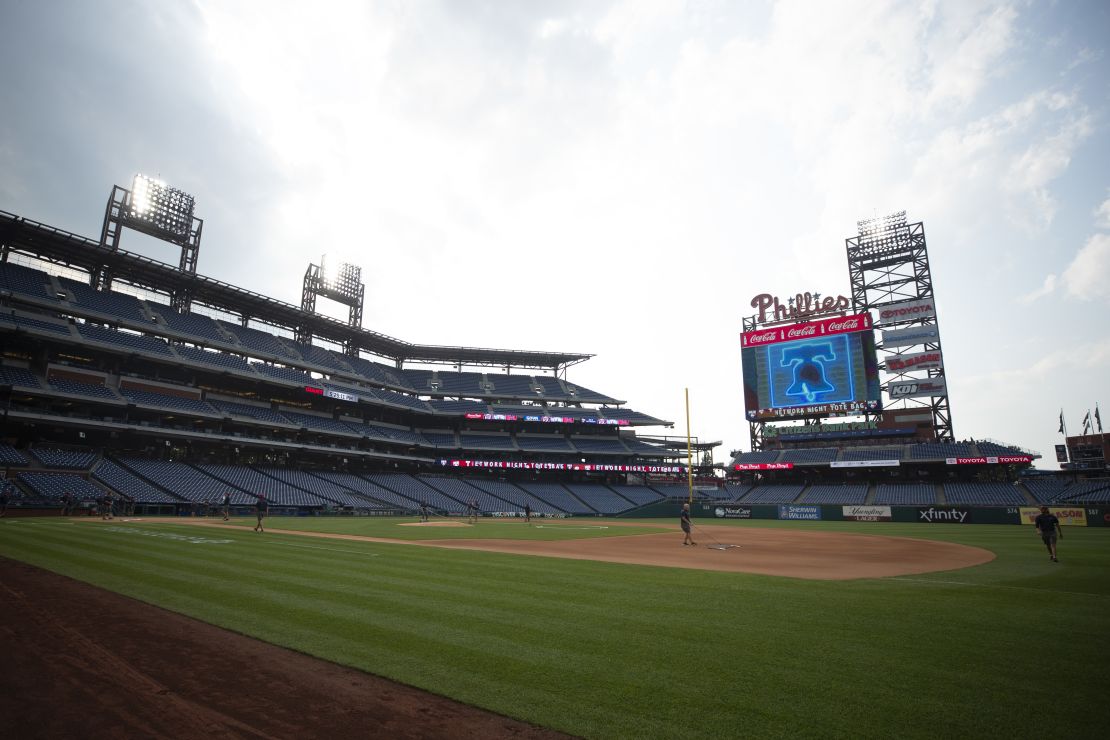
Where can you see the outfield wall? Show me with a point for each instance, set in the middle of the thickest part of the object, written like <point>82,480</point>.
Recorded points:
<point>1080,516</point>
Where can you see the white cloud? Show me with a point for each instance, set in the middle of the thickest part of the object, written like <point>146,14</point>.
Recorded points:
<point>1088,275</point>
<point>1046,288</point>
<point>1102,215</point>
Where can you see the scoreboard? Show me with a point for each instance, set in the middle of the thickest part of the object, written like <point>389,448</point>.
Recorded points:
<point>821,368</point>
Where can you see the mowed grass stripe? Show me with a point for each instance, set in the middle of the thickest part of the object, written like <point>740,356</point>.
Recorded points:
<point>615,651</point>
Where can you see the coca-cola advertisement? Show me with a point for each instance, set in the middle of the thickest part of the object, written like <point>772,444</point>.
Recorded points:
<point>812,329</point>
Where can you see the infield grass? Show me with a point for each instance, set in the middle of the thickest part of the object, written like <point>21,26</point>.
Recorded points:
<point>1016,647</point>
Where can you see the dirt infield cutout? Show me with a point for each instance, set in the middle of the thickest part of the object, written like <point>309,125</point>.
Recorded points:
<point>794,553</point>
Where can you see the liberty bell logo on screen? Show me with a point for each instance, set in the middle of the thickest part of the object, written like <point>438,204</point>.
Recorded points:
<point>810,371</point>
<point>808,364</point>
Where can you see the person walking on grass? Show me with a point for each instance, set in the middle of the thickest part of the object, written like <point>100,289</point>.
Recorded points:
<point>1047,525</point>
<point>527,513</point>
<point>687,526</point>
<point>260,508</point>
<point>227,504</point>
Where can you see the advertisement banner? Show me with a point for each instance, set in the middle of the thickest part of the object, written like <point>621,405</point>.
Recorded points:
<point>1075,516</point>
<point>812,330</point>
<point>893,313</point>
<point>914,361</point>
<point>867,513</point>
<point>865,464</point>
<point>917,388</point>
<point>585,467</point>
<point>733,512</point>
<point>944,515</point>
<point>991,460</point>
<point>1061,453</point>
<point>763,466</point>
<point>789,511</point>
<point>911,336</point>
<point>1098,517</point>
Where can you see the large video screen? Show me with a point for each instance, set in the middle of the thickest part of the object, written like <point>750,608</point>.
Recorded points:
<point>821,368</point>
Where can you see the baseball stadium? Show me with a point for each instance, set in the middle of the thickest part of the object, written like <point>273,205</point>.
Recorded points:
<point>230,516</point>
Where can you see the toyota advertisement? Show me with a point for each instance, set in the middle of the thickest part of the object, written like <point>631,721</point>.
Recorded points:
<point>826,367</point>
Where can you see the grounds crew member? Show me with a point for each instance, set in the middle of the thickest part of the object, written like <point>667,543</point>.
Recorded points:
<point>1047,525</point>
<point>685,523</point>
<point>260,508</point>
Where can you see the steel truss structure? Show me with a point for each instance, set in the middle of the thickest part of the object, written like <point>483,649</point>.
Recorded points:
<point>104,258</point>
<point>346,288</point>
<point>888,263</point>
<point>161,212</point>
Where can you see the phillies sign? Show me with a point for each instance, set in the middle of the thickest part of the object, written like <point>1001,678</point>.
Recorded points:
<point>821,328</point>
<point>800,306</point>
<point>763,466</point>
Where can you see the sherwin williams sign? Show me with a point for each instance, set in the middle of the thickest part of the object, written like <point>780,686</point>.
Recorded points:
<point>799,512</point>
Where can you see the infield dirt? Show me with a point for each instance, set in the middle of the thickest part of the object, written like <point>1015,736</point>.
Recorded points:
<point>794,553</point>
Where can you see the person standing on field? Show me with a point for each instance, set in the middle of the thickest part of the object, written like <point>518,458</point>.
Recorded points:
<point>687,526</point>
<point>260,508</point>
<point>1047,525</point>
<point>227,504</point>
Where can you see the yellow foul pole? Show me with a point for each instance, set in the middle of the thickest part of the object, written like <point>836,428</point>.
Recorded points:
<point>689,453</point>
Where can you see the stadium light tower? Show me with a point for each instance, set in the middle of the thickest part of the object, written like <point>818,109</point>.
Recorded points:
<point>151,207</point>
<point>888,266</point>
<point>343,286</point>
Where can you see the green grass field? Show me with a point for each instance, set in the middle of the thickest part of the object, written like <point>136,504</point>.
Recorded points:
<point>1016,647</point>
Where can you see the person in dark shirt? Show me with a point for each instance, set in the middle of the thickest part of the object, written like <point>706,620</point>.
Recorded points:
<point>1048,527</point>
<point>4,498</point>
<point>423,511</point>
<point>687,526</point>
<point>227,504</point>
<point>260,508</point>
<point>67,503</point>
<point>472,510</point>
<point>527,513</point>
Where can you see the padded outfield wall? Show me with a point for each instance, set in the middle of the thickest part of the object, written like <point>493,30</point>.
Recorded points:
<point>1082,516</point>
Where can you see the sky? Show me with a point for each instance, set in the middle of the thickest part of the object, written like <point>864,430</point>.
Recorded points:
<point>612,178</point>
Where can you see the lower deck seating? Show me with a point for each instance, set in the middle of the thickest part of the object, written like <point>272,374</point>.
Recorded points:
<point>53,486</point>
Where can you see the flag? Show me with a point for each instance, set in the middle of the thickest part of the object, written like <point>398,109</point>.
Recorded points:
<point>1098,419</point>
<point>1087,423</point>
<point>1061,430</point>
